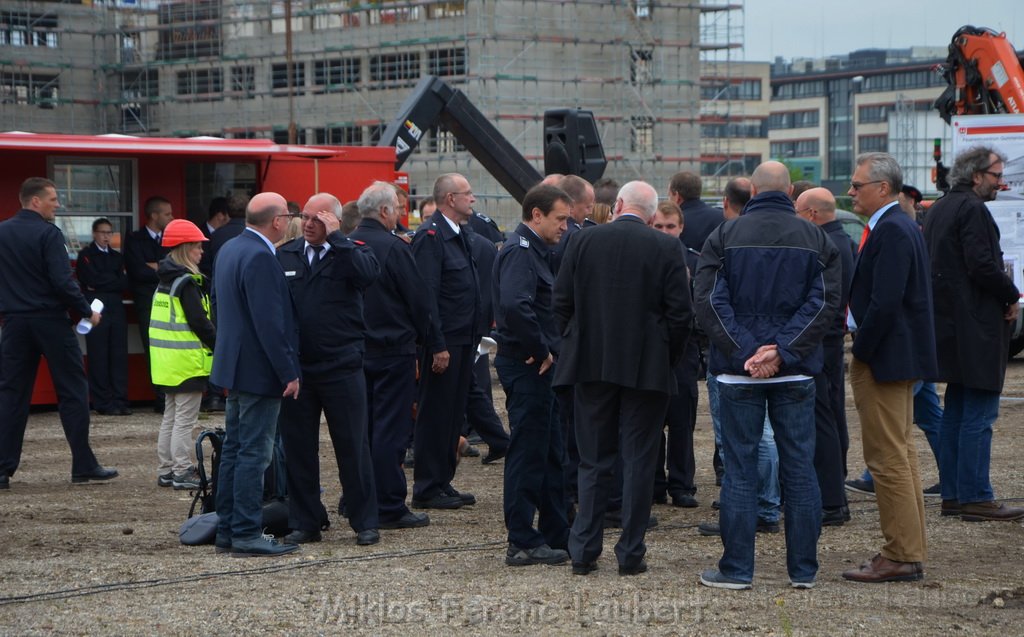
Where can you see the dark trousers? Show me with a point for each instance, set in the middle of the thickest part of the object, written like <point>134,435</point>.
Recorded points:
<point>533,483</point>
<point>615,416</point>
<point>835,369</point>
<point>566,398</point>
<point>107,347</point>
<point>442,407</point>
<point>390,391</point>
<point>23,341</point>
<point>678,453</point>
<point>829,459</point>
<point>480,414</point>
<point>341,395</point>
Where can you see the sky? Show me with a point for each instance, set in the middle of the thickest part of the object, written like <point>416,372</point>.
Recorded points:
<point>831,27</point>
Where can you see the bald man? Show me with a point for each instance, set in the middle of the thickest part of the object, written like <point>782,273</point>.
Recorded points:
<point>766,291</point>
<point>818,206</point>
<point>257,361</point>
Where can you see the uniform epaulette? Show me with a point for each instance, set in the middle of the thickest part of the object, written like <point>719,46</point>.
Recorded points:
<point>358,242</point>
<point>692,251</point>
<point>484,217</point>
<point>523,243</point>
<point>431,232</point>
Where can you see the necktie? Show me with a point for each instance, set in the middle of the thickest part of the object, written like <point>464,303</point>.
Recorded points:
<point>159,238</point>
<point>864,237</point>
<point>317,253</point>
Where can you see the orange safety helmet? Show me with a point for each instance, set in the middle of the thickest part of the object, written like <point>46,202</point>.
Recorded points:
<point>181,231</point>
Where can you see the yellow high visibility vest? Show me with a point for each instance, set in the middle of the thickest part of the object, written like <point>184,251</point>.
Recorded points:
<point>175,352</point>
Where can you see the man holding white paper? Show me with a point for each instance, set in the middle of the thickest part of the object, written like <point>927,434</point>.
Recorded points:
<point>36,291</point>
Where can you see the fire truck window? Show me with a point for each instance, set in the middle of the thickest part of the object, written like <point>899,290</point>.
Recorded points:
<point>205,181</point>
<point>89,189</point>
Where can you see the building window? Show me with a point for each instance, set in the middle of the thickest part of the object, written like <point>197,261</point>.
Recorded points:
<point>281,135</point>
<point>202,83</point>
<point>395,66</point>
<point>641,67</point>
<point>20,28</point>
<point>796,90</point>
<point>90,188</point>
<point>440,140</point>
<point>642,134</point>
<point>339,135</point>
<point>873,113</point>
<point>436,10</point>
<point>189,30</point>
<point>393,15</point>
<point>795,148</point>
<point>336,75</point>
<point>243,79</point>
<point>873,144</point>
<point>447,62</point>
<point>734,130</point>
<point>719,89</point>
<point>41,89</point>
<point>793,119</point>
<point>279,77</point>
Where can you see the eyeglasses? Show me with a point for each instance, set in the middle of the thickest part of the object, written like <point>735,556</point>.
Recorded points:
<point>800,212</point>
<point>857,186</point>
<point>998,176</point>
<point>103,231</point>
<point>468,193</point>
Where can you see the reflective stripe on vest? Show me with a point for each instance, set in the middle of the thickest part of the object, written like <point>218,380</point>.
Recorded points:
<point>175,352</point>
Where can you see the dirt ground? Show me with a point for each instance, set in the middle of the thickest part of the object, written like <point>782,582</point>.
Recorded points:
<point>104,559</point>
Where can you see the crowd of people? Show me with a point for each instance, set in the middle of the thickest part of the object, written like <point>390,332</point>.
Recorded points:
<point>606,307</point>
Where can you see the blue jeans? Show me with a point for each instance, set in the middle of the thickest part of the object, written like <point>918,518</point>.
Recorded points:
<point>250,422</point>
<point>927,416</point>
<point>790,406</point>
<point>534,481</point>
<point>966,443</point>
<point>768,495</point>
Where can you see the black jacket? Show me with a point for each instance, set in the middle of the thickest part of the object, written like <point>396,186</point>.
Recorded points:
<point>622,303</point>
<point>847,254</point>
<point>699,219</point>
<point>140,249</point>
<point>101,274</point>
<point>522,297</point>
<point>329,301</point>
<point>220,236</point>
<point>971,291</point>
<point>395,306</point>
<point>35,273</point>
<point>449,272</point>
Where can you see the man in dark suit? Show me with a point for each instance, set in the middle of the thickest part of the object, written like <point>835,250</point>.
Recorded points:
<point>142,253</point>
<point>234,227</point>
<point>256,360</point>
<point>445,260</point>
<point>396,311</point>
<point>100,271</point>
<point>327,273</point>
<point>699,219</point>
<point>891,303</point>
<point>623,330</point>
<point>976,304</point>
<point>36,291</point>
<point>818,206</point>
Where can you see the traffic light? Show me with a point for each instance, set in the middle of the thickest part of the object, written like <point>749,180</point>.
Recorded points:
<point>572,145</point>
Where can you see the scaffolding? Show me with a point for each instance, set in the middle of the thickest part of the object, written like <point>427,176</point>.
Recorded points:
<point>335,72</point>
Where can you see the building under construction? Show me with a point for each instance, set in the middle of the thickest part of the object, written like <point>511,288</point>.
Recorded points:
<point>335,72</point>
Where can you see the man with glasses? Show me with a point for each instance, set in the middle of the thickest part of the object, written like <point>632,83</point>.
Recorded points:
<point>445,260</point>
<point>891,302</point>
<point>976,305</point>
<point>327,274</point>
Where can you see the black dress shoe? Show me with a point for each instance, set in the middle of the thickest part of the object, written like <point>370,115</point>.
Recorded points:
<point>468,499</point>
<point>298,536</point>
<point>684,500</point>
<point>124,411</point>
<point>410,520</point>
<point>367,537</point>
<point>583,568</point>
<point>99,473</point>
<point>636,569</point>
<point>5,481</point>
<point>660,498</point>
<point>494,455</point>
<point>439,501</point>
<point>835,516</point>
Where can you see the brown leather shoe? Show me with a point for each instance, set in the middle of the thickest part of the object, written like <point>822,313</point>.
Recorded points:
<point>951,507</point>
<point>986,511</point>
<point>881,569</point>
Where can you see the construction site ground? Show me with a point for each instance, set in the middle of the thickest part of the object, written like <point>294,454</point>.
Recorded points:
<point>104,559</point>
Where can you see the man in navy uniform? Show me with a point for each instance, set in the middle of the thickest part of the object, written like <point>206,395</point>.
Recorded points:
<point>327,273</point>
<point>528,342</point>
<point>100,270</point>
<point>36,290</point>
<point>444,259</point>
<point>395,309</point>
<point>142,253</point>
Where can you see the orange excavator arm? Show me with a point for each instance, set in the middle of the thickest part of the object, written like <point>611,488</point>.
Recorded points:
<point>984,75</point>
